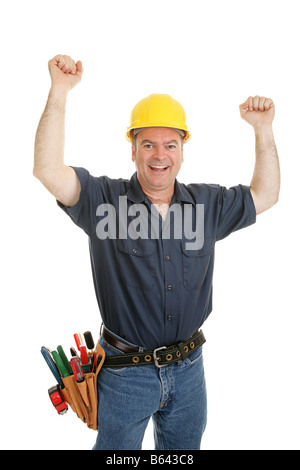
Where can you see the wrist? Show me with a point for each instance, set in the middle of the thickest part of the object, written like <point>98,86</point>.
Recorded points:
<point>59,94</point>
<point>264,135</point>
<point>263,128</point>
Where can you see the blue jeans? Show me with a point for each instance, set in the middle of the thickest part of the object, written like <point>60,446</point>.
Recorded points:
<point>174,396</point>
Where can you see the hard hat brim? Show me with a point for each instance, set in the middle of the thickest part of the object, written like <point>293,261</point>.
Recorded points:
<point>129,136</point>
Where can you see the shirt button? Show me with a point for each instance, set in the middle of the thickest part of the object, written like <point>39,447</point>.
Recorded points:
<point>134,250</point>
<point>168,258</point>
<point>170,287</point>
<point>169,317</point>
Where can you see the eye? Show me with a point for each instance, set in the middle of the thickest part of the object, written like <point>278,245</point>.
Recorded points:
<point>148,146</point>
<point>172,146</point>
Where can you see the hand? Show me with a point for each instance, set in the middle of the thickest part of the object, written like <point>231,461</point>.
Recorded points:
<point>258,111</point>
<point>65,74</point>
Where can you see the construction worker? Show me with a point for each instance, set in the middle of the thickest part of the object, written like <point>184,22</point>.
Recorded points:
<point>152,245</point>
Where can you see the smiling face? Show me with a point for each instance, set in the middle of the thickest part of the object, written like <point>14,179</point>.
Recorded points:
<point>158,155</point>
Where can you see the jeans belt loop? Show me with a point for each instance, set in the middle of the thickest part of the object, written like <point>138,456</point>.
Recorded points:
<point>183,353</point>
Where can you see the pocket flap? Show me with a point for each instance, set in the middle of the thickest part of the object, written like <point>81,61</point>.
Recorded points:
<point>206,249</point>
<point>142,248</point>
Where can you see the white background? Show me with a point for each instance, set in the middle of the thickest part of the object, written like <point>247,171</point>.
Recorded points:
<point>209,55</point>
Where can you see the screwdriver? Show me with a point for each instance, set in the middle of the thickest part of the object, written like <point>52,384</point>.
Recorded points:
<point>84,356</point>
<point>90,345</point>
<point>78,340</point>
<point>77,370</point>
<point>89,341</point>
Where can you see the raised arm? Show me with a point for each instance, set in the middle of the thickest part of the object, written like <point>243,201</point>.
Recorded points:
<point>49,167</point>
<point>259,112</point>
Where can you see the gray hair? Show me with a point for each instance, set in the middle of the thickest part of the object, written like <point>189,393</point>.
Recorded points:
<point>135,132</point>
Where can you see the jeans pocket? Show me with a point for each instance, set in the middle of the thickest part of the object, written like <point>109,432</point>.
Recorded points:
<point>116,370</point>
<point>112,351</point>
<point>194,357</point>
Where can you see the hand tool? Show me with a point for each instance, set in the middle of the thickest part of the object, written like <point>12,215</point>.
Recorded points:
<point>57,400</point>
<point>78,340</point>
<point>73,352</point>
<point>64,359</point>
<point>84,356</point>
<point>51,364</point>
<point>89,341</point>
<point>86,360</point>
<point>77,370</point>
<point>60,364</point>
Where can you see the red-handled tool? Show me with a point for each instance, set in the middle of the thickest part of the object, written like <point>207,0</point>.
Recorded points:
<point>78,340</point>
<point>77,369</point>
<point>84,356</point>
<point>57,400</point>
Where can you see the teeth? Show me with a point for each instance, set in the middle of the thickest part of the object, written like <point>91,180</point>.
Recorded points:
<point>159,167</point>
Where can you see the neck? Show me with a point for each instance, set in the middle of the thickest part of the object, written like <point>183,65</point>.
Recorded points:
<point>159,196</point>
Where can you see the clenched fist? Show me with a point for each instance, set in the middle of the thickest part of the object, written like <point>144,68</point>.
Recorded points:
<point>258,110</point>
<point>65,74</point>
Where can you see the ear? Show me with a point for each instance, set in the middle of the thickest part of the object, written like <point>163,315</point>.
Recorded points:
<point>132,153</point>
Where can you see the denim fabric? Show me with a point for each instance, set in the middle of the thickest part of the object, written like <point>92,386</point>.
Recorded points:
<point>174,396</point>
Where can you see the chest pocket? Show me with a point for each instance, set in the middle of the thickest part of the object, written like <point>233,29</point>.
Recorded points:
<point>137,265</point>
<point>196,264</point>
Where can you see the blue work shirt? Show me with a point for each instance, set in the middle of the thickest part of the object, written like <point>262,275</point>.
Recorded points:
<point>155,291</point>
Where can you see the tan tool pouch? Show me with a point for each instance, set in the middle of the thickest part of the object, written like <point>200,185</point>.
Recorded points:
<point>82,396</point>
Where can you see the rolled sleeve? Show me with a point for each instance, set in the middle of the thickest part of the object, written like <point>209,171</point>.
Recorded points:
<point>83,213</point>
<point>236,210</point>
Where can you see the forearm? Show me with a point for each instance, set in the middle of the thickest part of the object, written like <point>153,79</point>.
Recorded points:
<point>265,183</point>
<point>50,136</point>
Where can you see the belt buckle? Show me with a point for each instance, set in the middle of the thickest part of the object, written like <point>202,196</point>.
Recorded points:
<point>156,358</point>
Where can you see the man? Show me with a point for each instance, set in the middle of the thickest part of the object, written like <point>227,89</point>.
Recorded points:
<point>152,252</point>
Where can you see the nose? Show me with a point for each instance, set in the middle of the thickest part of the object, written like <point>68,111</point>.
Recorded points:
<point>160,151</point>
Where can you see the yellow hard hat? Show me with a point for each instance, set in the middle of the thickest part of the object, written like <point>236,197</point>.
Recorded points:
<point>158,111</point>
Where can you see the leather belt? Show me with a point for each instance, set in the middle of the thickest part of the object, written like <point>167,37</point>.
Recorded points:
<point>160,357</point>
<point>116,343</point>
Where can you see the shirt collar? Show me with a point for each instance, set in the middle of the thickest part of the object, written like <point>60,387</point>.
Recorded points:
<point>182,194</point>
<point>136,194</point>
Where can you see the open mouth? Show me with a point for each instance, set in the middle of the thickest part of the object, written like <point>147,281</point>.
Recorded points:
<point>158,168</point>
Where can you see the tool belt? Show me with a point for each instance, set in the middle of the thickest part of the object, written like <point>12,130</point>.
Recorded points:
<point>76,379</point>
<point>82,396</point>
<point>160,357</point>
